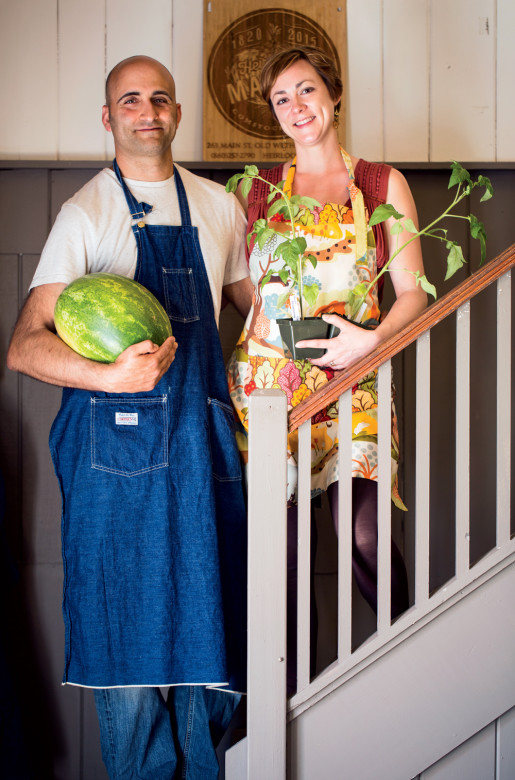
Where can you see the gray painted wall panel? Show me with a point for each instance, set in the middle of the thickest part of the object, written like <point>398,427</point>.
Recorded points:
<point>24,206</point>
<point>67,742</point>
<point>474,760</point>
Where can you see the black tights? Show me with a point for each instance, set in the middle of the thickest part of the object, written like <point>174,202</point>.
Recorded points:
<point>364,545</point>
<point>364,565</point>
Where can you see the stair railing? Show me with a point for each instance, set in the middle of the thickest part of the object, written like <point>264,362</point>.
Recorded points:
<point>263,752</point>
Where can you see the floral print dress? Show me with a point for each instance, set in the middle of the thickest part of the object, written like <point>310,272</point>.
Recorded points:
<point>343,243</point>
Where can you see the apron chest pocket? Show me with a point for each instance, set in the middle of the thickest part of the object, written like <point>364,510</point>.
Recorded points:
<point>129,436</point>
<point>180,294</point>
<point>225,458</point>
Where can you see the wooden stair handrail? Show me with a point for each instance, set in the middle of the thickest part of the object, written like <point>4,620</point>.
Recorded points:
<point>348,377</point>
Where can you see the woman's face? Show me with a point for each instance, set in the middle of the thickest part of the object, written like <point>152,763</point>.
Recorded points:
<point>302,104</point>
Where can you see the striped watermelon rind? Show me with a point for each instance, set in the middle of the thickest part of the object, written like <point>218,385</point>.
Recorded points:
<point>101,314</point>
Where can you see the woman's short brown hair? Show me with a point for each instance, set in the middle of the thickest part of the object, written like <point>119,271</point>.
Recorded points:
<point>324,65</point>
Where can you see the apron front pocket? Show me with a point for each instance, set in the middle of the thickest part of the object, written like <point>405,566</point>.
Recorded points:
<point>129,436</point>
<point>180,294</point>
<point>225,458</point>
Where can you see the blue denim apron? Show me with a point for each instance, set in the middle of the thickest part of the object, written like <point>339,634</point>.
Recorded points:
<point>154,521</point>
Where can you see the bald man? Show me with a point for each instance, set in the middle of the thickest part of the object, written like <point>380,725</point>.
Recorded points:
<point>153,521</point>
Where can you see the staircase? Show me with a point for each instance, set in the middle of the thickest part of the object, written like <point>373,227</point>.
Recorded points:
<point>415,690</point>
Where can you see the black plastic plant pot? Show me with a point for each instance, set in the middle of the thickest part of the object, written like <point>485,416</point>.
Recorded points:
<point>298,330</point>
<point>310,328</point>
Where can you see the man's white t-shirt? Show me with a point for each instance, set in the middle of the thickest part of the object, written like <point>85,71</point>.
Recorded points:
<point>93,230</point>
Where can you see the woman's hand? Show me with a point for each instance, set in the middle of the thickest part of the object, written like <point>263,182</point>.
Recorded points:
<point>350,345</point>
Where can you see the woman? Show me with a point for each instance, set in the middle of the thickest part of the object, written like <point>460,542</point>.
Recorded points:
<point>304,90</point>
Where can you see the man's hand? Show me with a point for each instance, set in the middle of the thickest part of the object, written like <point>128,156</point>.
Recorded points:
<point>37,351</point>
<point>139,368</point>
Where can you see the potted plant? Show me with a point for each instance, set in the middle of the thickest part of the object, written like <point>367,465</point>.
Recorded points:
<point>291,247</point>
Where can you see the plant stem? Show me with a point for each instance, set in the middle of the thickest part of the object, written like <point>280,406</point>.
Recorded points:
<point>458,197</point>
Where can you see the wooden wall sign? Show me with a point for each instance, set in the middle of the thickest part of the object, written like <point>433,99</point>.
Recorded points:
<point>239,35</point>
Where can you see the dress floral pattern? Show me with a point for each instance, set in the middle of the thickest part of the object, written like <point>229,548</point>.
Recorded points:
<point>259,360</point>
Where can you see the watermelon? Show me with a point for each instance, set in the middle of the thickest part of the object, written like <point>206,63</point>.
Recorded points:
<point>99,315</point>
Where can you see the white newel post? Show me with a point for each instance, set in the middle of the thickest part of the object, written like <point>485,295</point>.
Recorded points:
<point>263,753</point>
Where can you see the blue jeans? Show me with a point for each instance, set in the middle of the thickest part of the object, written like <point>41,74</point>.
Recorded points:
<point>144,737</point>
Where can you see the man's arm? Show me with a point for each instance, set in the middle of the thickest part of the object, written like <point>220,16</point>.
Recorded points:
<point>240,295</point>
<point>36,350</point>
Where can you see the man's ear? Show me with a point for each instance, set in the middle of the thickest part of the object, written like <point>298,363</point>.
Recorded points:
<point>179,113</point>
<point>105,118</point>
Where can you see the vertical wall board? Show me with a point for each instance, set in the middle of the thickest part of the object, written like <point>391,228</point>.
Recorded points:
<point>23,202</point>
<point>136,29</point>
<point>462,112</point>
<point>506,746</point>
<point>474,760</point>
<point>483,434</point>
<point>187,70</point>
<point>230,328</point>
<point>494,213</point>
<point>44,593</point>
<point>93,767</point>
<point>365,131</point>
<point>81,34</point>
<point>28,54</point>
<point>406,80</point>
<point>41,498</point>
<point>133,28</point>
<point>505,76</point>
<point>9,408</point>
<point>41,506</point>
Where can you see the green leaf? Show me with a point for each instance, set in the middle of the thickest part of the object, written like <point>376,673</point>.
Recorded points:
<point>251,170</point>
<point>284,275</point>
<point>312,259</point>
<point>309,203</point>
<point>459,175</point>
<point>484,181</point>
<point>259,224</point>
<point>277,207</point>
<point>360,290</point>
<point>426,285</point>
<point>263,236</point>
<point>476,227</point>
<point>455,259</point>
<point>246,186</point>
<point>396,229</point>
<point>477,230</point>
<point>310,293</point>
<point>299,245</point>
<point>382,213</point>
<point>410,226</point>
<point>289,253</point>
<point>271,195</point>
<point>232,184</point>
<point>267,277</point>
